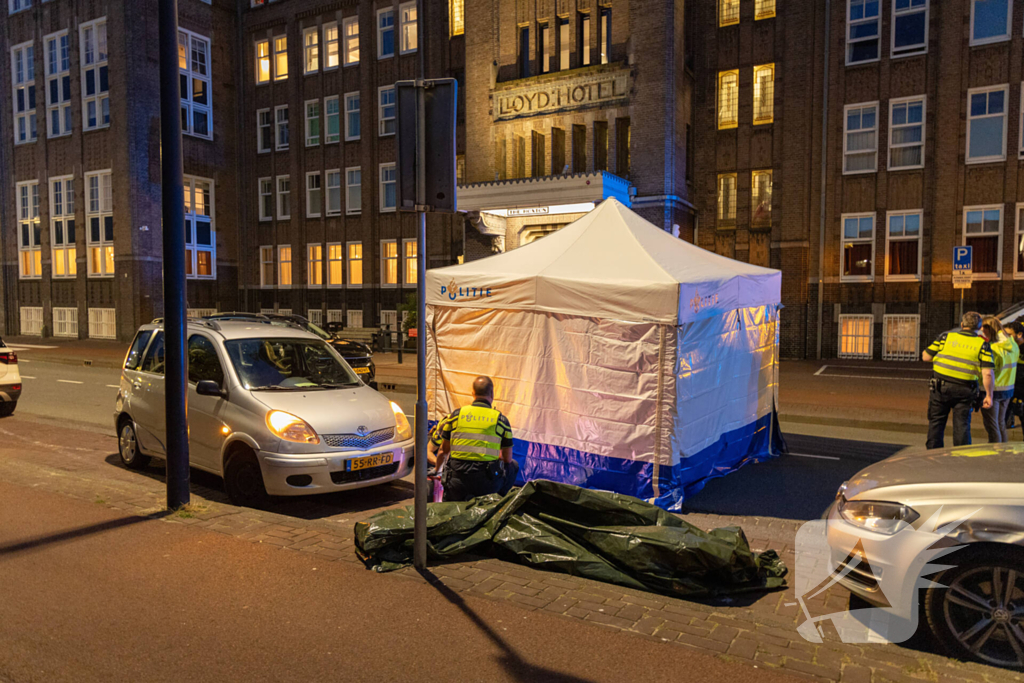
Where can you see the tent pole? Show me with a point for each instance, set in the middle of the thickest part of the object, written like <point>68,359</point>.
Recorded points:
<point>656,478</point>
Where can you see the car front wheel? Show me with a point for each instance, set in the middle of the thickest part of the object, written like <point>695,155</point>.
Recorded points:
<point>128,447</point>
<point>980,613</point>
<point>243,480</point>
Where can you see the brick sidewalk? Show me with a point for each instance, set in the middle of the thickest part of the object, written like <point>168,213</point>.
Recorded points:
<point>760,629</point>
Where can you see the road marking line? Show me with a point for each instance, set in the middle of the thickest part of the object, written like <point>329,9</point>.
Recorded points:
<point>27,377</point>
<point>31,346</point>
<point>816,457</point>
<point>70,381</point>
<point>114,386</point>
<point>820,370</point>
<point>898,379</point>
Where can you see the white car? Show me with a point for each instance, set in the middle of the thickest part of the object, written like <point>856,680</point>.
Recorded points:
<point>272,409</point>
<point>894,517</point>
<point>10,380</point>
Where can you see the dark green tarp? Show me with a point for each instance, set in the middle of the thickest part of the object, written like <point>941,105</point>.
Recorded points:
<point>595,534</point>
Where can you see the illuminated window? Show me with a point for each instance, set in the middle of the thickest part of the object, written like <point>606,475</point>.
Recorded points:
<point>331,45</point>
<point>903,245</point>
<point>407,27</point>
<point>196,103</point>
<point>262,61</point>
<point>335,257</point>
<point>350,33</point>
<point>858,247</point>
<point>764,93</point>
<point>280,58</point>
<point>284,266</point>
<point>409,257</point>
<point>761,199</point>
<point>727,199</point>
<point>856,336</point>
<point>100,219</point>
<point>728,99</point>
<point>30,256</point>
<point>728,12</point>
<point>311,50</point>
<point>62,226</point>
<point>765,9</point>
<point>200,245</point>
<point>457,16</point>
<point>388,262</point>
<point>315,265</point>
<point>355,263</point>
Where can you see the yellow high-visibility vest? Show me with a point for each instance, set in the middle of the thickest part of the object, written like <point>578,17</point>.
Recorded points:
<point>475,434</point>
<point>959,356</point>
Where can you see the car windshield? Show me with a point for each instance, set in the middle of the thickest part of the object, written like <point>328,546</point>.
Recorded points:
<point>289,365</point>
<point>1011,314</point>
<point>307,326</point>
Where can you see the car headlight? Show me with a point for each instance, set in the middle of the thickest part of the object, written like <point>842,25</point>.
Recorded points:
<point>873,515</point>
<point>403,430</point>
<point>291,428</point>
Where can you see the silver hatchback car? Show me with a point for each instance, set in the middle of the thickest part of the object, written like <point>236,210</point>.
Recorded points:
<point>272,410</point>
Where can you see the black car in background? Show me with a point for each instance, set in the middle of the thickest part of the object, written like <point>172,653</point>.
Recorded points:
<point>357,354</point>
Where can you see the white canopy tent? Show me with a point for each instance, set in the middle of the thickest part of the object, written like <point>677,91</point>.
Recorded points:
<point>626,359</point>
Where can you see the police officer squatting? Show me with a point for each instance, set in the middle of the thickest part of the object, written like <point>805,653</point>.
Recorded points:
<point>475,456</point>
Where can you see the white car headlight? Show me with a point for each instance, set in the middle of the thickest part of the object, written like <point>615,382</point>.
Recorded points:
<point>403,430</point>
<point>291,428</point>
<point>873,515</point>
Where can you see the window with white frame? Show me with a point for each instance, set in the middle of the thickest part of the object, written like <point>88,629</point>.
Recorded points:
<point>262,61</point>
<point>315,316</point>
<point>409,260</point>
<point>386,109</point>
<point>280,58</point>
<point>200,240</point>
<point>335,260</point>
<point>354,318</point>
<point>986,124</point>
<point>909,27</point>
<point>388,189</point>
<point>65,322</point>
<point>95,86</point>
<point>1018,256</point>
<point>334,193</point>
<point>863,28</point>
<point>23,74</point>
<point>335,315</point>
<point>18,5</point>
<point>350,34</point>
<point>266,266</point>
<point>196,105</point>
<point>311,50</point>
<point>901,337</point>
<point>389,262</point>
<point>102,323</point>
<point>315,265</point>
<point>764,9</point>
<point>761,198</point>
<point>284,266</point>
<point>333,123</point>
<point>727,199</point>
<point>355,264</point>
<point>983,232</point>
<point>728,99</point>
<point>266,199</point>
<point>385,33</point>
<point>858,247</point>
<point>764,94</point>
<point>284,196</point>
<point>62,227</point>
<point>264,131</point>
<point>314,195</point>
<point>353,190</point>
<point>407,27</point>
<point>58,84</point>
<point>281,122</point>
<point>312,123</point>
<point>903,245</point>
<point>860,138</point>
<point>197,313</point>
<point>331,54</point>
<point>856,336</point>
<point>906,133</point>
<point>31,320</point>
<point>99,217</point>
<point>990,21</point>
<point>30,255</point>
<point>352,123</point>
<point>728,12</point>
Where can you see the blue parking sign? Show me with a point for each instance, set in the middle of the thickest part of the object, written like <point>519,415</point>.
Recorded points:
<point>962,259</point>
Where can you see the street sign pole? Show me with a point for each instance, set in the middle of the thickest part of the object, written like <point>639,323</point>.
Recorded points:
<point>173,205</point>
<point>419,548</point>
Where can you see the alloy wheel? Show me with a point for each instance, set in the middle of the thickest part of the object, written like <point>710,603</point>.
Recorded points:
<point>984,611</point>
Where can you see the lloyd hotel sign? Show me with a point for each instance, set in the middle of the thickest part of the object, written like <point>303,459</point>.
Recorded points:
<point>570,93</point>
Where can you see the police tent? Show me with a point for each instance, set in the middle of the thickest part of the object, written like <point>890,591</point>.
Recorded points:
<point>626,359</point>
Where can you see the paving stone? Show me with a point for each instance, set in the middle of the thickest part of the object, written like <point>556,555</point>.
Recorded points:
<point>812,669</point>
<point>667,634</point>
<point>577,612</point>
<point>742,648</point>
<point>702,643</point>
<point>853,673</point>
<point>487,585</point>
<point>631,612</point>
<point>529,601</point>
<point>562,583</point>
<point>610,620</point>
<point>724,634</point>
<point>561,605</point>
<point>521,590</point>
<point>648,625</point>
<point>457,584</point>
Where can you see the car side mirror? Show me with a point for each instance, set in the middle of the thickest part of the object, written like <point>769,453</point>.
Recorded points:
<point>208,387</point>
<point>372,384</point>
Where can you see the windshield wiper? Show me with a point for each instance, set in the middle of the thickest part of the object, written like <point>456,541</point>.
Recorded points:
<point>276,387</point>
<point>340,385</point>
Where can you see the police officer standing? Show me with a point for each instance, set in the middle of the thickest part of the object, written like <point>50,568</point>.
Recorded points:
<point>476,448</point>
<point>960,362</point>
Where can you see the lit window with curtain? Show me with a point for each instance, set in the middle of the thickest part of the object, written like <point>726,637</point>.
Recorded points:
<point>728,12</point>
<point>262,61</point>
<point>983,228</point>
<point>355,263</point>
<point>906,133</point>
<point>335,257</point>
<point>331,45</point>
<point>284,266</point>
<point>100,219</point>
<point>727,199</point>
<point>311,50</point>
<point>280,58</point>
<point>764,9</point>
<point>728,99</point>
<point>409,247</point>
<point>903,237</point>
<point>407,27</point>
<point>858,247</point>
<point>764,94</point>
<point>30,256</point>
<point>457,17</point>
<point>388,262</point>
<point>196,104</point>
<point>315,265</point>
<point>350,34</point>
<point>761,199</point>
<point>62,226</point>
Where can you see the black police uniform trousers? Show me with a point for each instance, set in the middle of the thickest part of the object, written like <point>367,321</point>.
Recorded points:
<point>949,396</point>
<point>467,479</point>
